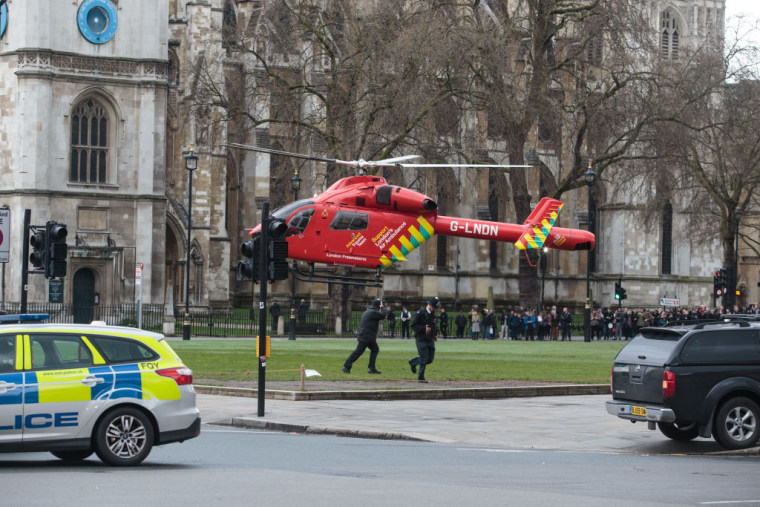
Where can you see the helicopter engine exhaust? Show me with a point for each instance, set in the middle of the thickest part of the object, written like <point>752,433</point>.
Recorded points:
<point>429,204</point>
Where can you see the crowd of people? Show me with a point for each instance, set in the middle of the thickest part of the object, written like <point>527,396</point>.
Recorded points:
<point>486,324</point>
<point>520,324</point>
<point>607,323</point>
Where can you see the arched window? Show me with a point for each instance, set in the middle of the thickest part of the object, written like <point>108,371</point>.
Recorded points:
<point>667,239</point>
<point>669,38</point>
<point>229,24</point>
<point>89,142</point>
<point>594,48</point>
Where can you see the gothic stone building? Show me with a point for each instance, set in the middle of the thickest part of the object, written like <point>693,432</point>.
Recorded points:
<point>97,116</point>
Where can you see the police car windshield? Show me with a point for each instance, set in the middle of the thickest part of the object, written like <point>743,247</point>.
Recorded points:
<point>285,211</point>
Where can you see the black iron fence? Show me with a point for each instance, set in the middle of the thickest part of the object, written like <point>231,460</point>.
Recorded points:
<point>113,315</point>
<point>240,322</point>
<point>218,323</point>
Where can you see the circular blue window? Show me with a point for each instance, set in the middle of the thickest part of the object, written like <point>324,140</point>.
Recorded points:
<point>3,19</point>
<point>97,20</point>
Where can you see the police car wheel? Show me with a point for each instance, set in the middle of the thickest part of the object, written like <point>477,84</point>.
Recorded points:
<point>124,437</point>
<point>72,455</point>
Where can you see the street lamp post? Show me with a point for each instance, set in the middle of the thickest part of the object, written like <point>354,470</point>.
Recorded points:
<point>544,263</point>
<point>191,164</point>
<point>590,177</point>
<point>295,184</point>
<point>735,284</point>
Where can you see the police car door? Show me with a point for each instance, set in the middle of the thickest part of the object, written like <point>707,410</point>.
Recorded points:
<point>11,389</point>
<point>58,387</point>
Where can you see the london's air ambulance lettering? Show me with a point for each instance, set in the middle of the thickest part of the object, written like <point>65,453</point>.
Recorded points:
<point>36,421</point>
<point>475,228</point>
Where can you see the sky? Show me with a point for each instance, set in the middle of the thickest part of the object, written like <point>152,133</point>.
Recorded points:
<point>750,8</point>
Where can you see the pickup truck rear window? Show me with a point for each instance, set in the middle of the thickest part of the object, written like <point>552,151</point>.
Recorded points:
<point>720,347</point>
<point>650,347</point>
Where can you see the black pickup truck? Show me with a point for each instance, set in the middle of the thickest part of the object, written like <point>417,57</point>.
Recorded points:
<point>692,380</point>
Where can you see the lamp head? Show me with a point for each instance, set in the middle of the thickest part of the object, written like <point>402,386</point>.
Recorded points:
<point>191,159</point>
<point>295,182</point>
<point>589,175</point>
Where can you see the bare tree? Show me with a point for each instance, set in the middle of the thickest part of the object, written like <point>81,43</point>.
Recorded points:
<point>716,157</point>
<point>334,78</point>
<point>561,66</point>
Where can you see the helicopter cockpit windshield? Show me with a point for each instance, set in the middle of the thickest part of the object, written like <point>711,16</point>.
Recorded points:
<point>300,220</point>
<point>284,212</point>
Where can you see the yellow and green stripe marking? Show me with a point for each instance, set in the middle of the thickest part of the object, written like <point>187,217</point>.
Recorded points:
<point>539,235</point>
<point>407,242</point>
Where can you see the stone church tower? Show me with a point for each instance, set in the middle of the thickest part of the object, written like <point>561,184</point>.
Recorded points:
<point>83,89</point>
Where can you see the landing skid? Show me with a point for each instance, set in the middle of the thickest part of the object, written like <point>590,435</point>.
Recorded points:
<point>311,277</point>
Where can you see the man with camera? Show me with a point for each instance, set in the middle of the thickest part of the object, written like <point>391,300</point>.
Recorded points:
<point>367,336</point>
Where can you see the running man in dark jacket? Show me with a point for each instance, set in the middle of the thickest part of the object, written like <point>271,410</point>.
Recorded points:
<point>423,324</point>
<point>367,336</point>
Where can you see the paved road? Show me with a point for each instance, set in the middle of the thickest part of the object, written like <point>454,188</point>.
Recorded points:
<point>225,466</point>
<point>569,423</point>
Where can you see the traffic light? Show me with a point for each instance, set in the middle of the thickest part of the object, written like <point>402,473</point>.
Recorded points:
<point>725,276</point>
<point>248,269</point>
<point>718,284</point>
<point>278,260</point>
<point>278,250</point>
<point>39,243</point>
<point>277,254</point>
<point>55,266</point>
<point>620,292</point>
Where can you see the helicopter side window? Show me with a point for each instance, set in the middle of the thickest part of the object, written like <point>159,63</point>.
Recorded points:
<point>360,222</point>
<point>350,221</point>
<point>299,221</point>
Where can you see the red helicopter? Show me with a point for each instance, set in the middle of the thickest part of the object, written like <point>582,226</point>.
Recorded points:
<point>362,221</point>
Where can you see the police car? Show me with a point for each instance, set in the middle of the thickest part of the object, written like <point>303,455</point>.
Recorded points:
<point>77,389</point>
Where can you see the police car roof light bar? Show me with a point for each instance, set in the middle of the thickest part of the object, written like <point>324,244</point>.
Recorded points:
<point>21,317</point>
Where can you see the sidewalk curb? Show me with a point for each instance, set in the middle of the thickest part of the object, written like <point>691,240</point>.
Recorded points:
<point>258,424</point>
<point>412,394</point>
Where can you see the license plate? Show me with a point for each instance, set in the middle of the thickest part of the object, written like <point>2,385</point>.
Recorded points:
<point>642,411</point>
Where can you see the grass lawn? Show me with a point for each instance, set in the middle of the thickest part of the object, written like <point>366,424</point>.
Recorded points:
<point>469,360</point>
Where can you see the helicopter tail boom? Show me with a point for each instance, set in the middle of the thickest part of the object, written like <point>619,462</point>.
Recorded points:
<point>558,238</point>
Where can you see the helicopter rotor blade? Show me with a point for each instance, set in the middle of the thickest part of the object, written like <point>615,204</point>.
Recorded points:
<point>259,149</point>
<point>392,161</point>
<point>362,164</point>
<point>465,165</point>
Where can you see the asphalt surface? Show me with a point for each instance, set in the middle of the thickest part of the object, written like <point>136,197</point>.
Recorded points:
<point>228,466</point>
<point>569,423</point>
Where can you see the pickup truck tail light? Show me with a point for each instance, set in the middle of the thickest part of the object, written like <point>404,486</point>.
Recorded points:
<point>612,370</point>
<point>668,384</point>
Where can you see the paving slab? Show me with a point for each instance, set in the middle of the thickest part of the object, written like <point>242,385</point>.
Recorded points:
<point>570,423</point>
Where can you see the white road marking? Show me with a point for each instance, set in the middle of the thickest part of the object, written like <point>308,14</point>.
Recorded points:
<point>726,502</point>
<point>493,450</point>
<point>237,431</point>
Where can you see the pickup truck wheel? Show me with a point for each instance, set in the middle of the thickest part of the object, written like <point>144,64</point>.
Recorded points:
<point>736,424</point>
<point>679,430</point>
<point>124,437</point>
